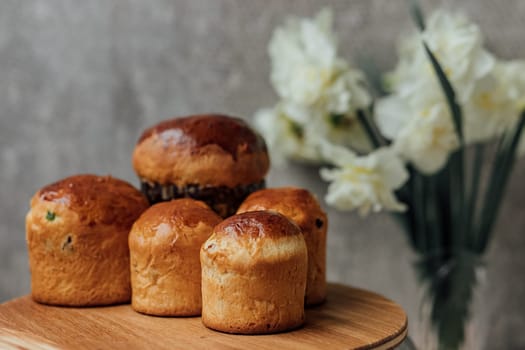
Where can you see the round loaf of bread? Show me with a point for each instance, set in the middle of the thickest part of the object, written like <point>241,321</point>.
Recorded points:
<point>77,237</point>
<point>254,275</point>
<point>300,206</point>
<point>164,246</point>
<point>214,158</point>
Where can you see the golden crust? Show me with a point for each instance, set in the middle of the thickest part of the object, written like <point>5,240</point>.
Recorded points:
<point>76,232</point>
<point>300,206</point>
<point>247,256</point>
<point>209,150</point>
<point>175,215</point>
<point>256,224</point>
<point>165,267</point>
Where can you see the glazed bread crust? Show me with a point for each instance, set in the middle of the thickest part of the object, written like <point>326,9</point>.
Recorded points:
<point>165,267</point>
<point>207,150</point>
<point>254,275</point>
<point>77,232</point>
<point>300,206</point>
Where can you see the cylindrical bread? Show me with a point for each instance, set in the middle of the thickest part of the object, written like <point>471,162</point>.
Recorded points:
<point>164,247</point>
<point>77,237</point>
<point>300,206</point>
<point>214,158</point>
<point>254,275</point>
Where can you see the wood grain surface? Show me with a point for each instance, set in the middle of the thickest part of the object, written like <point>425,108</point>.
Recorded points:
<point>350,319</point>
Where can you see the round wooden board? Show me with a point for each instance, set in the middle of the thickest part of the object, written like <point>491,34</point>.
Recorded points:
<point>350,319</point>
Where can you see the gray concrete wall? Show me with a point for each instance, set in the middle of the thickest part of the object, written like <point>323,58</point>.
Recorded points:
<point>80,79</point>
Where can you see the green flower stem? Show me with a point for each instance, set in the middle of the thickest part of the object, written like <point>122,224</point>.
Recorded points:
<point>457,188</point>
<point>503,165</point>
<point>417,14</point>
<point>475,177</point>
<point>443,207</point>
<point>456,161</point>
<point>432,214</point>
<point>494,180</point>
<point>412,209</point>
<point>367,125</point>
<point>452,294</point>
<point>418,191</point>
<point>448,90</point>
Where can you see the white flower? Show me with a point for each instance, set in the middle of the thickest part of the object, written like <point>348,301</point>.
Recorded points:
<point>513,74</point>
<point>496,102</point>
<point>287,134</point>
<point>364,183</point>
<point>295,132</point>
<point>344,130</point>
<point>457,43</point>
<point>423,134</point>
<point>511,88</point>
<point>417,117</point>
<point>307,71</point>
<point>319,93</point>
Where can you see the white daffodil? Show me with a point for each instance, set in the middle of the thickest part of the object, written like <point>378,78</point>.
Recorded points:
<point>496,102</point>
<point>295,132</point>
<point>417,117</point>
<point>288,133</point>
<point>511,78</point>
<point>344,130</point>
<point>365,183</point>
<point>306,70</point>
<point>457,43</point>
<point>422,134</point>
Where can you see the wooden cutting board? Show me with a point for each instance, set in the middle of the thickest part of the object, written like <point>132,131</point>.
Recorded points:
<point>350,319</point>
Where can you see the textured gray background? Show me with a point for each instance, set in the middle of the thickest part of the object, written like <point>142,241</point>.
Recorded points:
<point>79,80</point>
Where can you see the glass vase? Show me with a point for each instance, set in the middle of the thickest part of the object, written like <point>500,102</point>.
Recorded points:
<point>474,326</point>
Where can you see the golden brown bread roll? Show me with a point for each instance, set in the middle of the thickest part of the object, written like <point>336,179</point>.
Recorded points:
<point>213,158</point>
<point>300,206</point>
<point>164,246</point>
<point>77,237</point>
<point>254,275</point>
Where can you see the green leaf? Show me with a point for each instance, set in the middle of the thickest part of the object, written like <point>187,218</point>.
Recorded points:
<point>443,208</point>
<point>501,170</point>
<point>455,109</point>
<point>50,216</point>
<point>475,176</point>
<point>456,163</point>
<point>369,129</point>
<point>419,193</point>
<point>417,14</point>
<point>433,215</point>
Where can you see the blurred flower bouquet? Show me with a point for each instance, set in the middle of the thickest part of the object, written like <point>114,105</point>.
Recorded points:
<point>446,115</point>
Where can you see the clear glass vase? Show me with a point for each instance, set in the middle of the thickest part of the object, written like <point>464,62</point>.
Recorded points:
<point>474,323</point>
